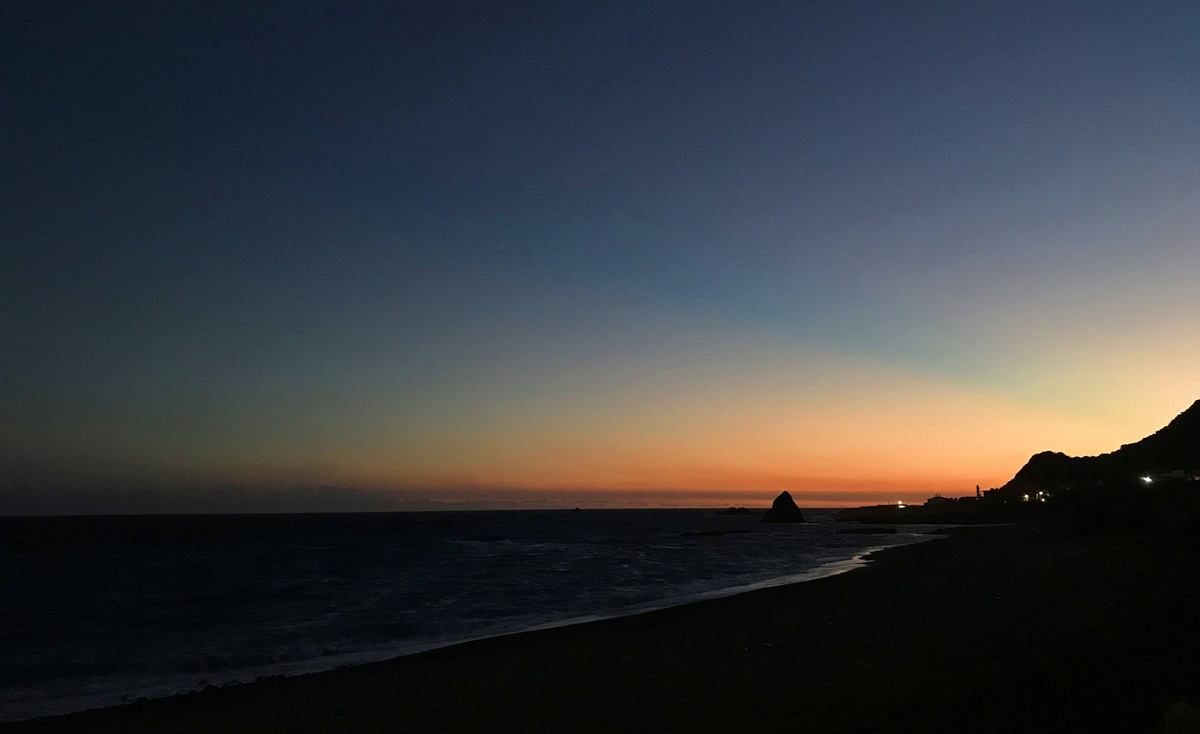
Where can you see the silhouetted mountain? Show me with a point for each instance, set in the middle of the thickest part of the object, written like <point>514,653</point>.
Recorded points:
<point>1175,448</point>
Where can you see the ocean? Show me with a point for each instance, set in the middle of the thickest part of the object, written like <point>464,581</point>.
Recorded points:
<point>97,611</point>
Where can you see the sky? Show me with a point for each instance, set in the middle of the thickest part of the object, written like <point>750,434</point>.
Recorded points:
<point>310,255</point>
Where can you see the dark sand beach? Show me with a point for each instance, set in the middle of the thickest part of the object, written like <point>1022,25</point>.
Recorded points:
<point>993,629</point>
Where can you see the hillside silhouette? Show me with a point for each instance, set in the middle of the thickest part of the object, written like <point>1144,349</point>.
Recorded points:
<point>1171,451</point>
<point>1153,481</point>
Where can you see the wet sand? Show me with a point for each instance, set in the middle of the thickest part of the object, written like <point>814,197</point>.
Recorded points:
<point>994,629</point>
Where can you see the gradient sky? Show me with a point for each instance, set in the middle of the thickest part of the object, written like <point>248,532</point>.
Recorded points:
<point>479,250</point>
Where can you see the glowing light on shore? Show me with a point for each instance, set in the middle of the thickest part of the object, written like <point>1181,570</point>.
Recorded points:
<point>1148,480</point>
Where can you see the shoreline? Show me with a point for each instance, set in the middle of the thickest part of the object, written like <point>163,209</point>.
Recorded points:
<point>990,629</point>
<point>166,688</point>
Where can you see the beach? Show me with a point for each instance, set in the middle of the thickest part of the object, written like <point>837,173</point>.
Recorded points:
<point>1021,627</point>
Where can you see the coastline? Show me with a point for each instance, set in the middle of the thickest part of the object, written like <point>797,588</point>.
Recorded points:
<point>988,629</point>
<point>90,695</point>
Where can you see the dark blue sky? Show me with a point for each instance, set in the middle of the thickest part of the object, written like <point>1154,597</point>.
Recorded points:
<point>426,244</point>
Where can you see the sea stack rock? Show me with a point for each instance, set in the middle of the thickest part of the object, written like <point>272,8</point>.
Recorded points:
<point>783,509</point>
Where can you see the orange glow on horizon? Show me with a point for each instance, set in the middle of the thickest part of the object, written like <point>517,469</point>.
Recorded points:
<point>831,430</point>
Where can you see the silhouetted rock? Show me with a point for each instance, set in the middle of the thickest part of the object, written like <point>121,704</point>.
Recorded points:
<point>783,509</point>
<point>735,511</point>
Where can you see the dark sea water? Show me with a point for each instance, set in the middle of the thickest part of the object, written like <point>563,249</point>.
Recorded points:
<point>99,610</point>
